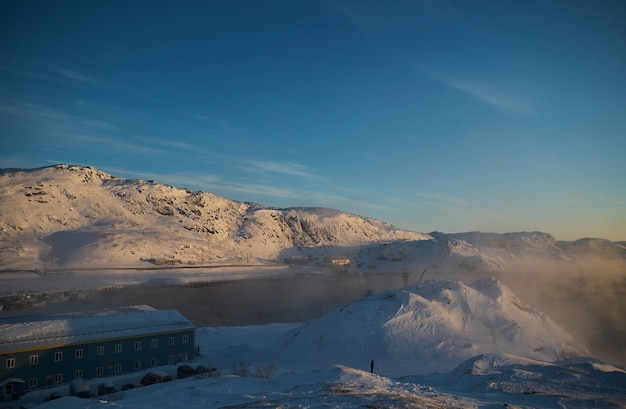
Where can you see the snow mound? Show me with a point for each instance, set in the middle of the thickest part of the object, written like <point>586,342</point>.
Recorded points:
<point>430,327</point>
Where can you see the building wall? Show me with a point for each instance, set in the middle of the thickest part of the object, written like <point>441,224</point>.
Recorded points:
<point>97,359</point>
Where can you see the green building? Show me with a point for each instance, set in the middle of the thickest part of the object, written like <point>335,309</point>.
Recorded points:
<point>47,350</point>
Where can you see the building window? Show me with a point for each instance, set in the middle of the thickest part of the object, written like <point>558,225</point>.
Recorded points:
<point>78,374</point>
<point>32,383</point>
<point>185,339</point>
<point>78,354</point>
<point>100,350</point>
<point>117,368</point>
<point>100,371</point>
<point>170,341</point>
<point>58,378</point>
<point>10,363</point>
<point>154,362</point>
<point>58,356</point>
<point>137,365</point>
<point>155,343</point>
<point>137,345</point>
<point>34,360</point>
<point>185,357</point>
<point>170,359</point>
<point>118,348</point>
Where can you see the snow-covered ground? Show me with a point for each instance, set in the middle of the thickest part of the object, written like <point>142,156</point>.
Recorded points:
<point>488,381</point>
<point>439,344</point>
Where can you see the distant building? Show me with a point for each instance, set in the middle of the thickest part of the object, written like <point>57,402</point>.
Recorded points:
<point>339,261</point>
<point>46,350</point>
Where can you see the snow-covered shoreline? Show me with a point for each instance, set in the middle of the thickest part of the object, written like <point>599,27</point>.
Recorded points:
<point>92,279</point>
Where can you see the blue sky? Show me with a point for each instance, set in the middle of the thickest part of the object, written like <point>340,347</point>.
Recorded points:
<point>431,115</point>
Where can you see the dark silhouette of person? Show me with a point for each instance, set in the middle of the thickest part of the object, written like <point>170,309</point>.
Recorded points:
<point>372,366</point>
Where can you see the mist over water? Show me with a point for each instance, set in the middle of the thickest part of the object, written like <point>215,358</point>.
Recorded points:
<point>589,302</point>
<point>255,301</point>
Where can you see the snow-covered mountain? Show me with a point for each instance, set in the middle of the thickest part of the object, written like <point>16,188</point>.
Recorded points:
<point>596,246</point>
<point>79,217</point>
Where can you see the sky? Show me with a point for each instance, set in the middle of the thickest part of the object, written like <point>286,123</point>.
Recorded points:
<point>454,116</point>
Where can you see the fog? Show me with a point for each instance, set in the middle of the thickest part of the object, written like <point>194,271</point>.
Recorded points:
<point>254,301</point>
<point>588,300</point>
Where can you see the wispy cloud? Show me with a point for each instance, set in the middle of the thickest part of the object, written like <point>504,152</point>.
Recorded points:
<point>48,116</point>
<point>491,95</point>
<point>364,17</point>
<point>223,125</point>
<point>198,180</point>
<point>495,98</point>
<point>290,169</point>
<point>289,195</point>
<point>439,200</point>
<point>111,142</point>
<point>256,190</point>
<point>70,130</point>
<point>285,104</point>
<point>74,75</point>
<point>54,73</point>
<point>210,182</point>
<point>171,144</point>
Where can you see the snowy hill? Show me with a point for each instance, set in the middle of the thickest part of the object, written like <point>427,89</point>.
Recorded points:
<point>430,327</point>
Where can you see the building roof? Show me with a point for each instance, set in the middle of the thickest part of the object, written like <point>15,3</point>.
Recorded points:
<point>47,331</point>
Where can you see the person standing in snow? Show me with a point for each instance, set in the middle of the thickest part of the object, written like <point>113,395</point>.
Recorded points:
<point>372,366</point>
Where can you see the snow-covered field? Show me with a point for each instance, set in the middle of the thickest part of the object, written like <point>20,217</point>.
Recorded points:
<point>439,344</point>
